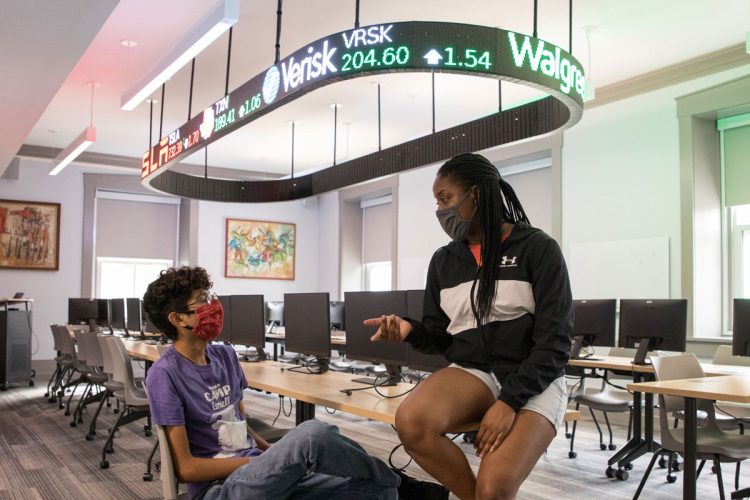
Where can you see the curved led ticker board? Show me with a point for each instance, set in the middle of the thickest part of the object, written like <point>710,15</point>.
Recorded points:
<point>385,48</point>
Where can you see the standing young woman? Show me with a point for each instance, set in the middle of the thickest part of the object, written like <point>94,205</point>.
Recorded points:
<point>498,306</point>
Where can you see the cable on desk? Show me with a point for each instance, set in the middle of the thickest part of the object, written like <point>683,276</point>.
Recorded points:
<point>330,412</point>
<point>744,420</point>
<point>390,458</point>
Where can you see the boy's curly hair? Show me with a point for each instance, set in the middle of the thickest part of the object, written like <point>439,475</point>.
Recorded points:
<point>170,292</point>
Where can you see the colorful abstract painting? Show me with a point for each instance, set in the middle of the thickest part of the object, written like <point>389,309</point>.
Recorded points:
<point>29,235</point>
<point>259,249</point>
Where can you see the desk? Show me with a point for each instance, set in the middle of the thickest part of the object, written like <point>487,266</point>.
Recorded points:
<point>732,388</point>
<point>15,342</point>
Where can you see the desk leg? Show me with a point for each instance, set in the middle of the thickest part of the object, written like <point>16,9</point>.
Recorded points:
<point>691,435</point>
<point>637,446</point>
<point>303,411</point>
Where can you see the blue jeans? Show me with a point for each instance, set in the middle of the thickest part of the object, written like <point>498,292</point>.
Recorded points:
<point>312,461</point>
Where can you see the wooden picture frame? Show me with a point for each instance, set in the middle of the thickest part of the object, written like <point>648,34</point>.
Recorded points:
<point>29,235</point>
<point>260,249</point>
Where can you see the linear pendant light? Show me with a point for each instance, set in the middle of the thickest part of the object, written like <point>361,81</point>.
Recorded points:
<point>75,148</point>
<point>79,144</point>
<point>211,27</point>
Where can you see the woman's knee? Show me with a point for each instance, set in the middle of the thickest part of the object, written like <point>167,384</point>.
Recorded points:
<point>413,426</point>
<point>498,487</point>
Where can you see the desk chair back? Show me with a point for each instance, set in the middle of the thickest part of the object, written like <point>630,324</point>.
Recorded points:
<point>57,343</point>
<point>674,368</point>
<point>724,356</point>
<point>169,481</point>
<point>134,396</point>
<point>107,363</point>
<point>65,341</point>
<point>81,346</point>
<point>94,356</point>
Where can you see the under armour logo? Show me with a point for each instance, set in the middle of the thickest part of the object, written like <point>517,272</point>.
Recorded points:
<point>508,261</point>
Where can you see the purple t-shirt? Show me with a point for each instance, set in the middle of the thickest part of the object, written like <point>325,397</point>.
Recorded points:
<point>203,399</point>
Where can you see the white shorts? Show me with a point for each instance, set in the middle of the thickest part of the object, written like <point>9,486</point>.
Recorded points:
<point>551,403</point>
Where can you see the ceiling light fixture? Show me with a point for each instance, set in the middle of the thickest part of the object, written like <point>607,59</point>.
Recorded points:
<point>83,141</point>
<point>590,93</point>
<point>220,19</point>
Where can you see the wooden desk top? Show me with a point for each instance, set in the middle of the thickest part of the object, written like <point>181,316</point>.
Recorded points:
<point>734,388</point>
<point>141,350</point>
<point>12,300</point>
<point>626,364</point>
<point>325,390</point>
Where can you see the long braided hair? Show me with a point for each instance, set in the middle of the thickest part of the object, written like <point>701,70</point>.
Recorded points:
<point>496,203</point>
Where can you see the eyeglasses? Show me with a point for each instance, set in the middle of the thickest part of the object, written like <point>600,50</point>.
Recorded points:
<point>202,299</point>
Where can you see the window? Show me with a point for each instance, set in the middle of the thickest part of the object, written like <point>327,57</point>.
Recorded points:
<point>739,232</point>
<point>120,277</point>
<point>378,276</point>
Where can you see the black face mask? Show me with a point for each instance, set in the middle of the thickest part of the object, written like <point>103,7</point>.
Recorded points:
<point>451,221</point>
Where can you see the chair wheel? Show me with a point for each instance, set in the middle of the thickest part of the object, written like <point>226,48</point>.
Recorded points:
<point>89,437</point>
<point>612,446</point>
<point>568,435</point>
<point>61,406</point>
<point>628,466</point>
<point>662,462</point>
<point>602,446</point>
<point>104,464</point>
<point>52,399</point>
<point>678,466</point>
<point>67,413</point>
<point>110,449</point>
<point>572,454</point>
<point>148,433</point>
<point>610,472</point>
<point>73,424</point>
<point>31,383</point>
<point>148,476</point>
<point>116,410</point>
<point>713,469</point>
<point>46,394</point>
<point>622,475</point>
<point>80,420</point>
<point>671,478</point>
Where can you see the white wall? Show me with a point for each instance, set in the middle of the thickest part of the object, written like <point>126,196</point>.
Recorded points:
<point>49,289</point>
<point>621,176</point>
<point>211,246</point>
<point>328,245</point>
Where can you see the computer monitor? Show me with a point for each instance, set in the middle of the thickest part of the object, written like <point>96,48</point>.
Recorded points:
<point>364,305</point>
<point>18,295</point>
<point>117,310</point>
<point>247,318</point>
<point>418,360</point>
<point>650,324</point>
<point>227,333</point>
<point>593,324</point>
<point>104,318</point>
<point>82,311</point>
<point>133,322</point>
<point>741,328</point>
<point>275,313</point>
<point>337,315</point>
<point>307,325</point>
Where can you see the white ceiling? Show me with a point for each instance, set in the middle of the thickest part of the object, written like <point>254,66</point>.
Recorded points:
<point>629,38</point>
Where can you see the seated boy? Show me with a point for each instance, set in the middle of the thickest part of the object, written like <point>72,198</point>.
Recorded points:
<point>195,392</point>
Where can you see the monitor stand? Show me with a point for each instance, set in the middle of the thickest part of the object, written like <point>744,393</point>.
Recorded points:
<point>255,359</point>
<point>575,348</point>
<point>394,377</point>
<point>642,352</point>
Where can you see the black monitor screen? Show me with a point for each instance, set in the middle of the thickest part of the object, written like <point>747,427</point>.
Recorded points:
<point>741,328</point>
<point>104,316</point>
<point>275,312</point>
<point>364,305</point>
<point>227,333</point>
<point>133,307</point>
<point>419,360</point>
<point>663,322</point>
<point>81,311</point>
<point>594,320</point>
<point>248,322</point>
<point>307,323</point>
<point>117,308</point>
<point>337,316</point>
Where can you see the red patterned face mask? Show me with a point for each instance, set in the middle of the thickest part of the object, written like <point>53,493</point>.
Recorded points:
<point>210,321</point>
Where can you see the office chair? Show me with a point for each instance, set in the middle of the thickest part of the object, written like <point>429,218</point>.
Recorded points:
<point>62,364</point>
<point>111,387</point>
<point>609,399</point>
<point>713,443</point>
<point>728,417</point>
<point>94,375</point>
<point>169,482</point>
<point>133,397</point>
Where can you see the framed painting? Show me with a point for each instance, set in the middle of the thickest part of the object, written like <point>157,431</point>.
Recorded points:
<point>29,235</point>
<point>260,249</point>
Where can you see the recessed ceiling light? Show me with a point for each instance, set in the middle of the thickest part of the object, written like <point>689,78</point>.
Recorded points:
<point>128,43</point>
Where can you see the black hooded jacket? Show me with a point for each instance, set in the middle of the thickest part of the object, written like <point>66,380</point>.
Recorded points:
<point>528,333</point>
